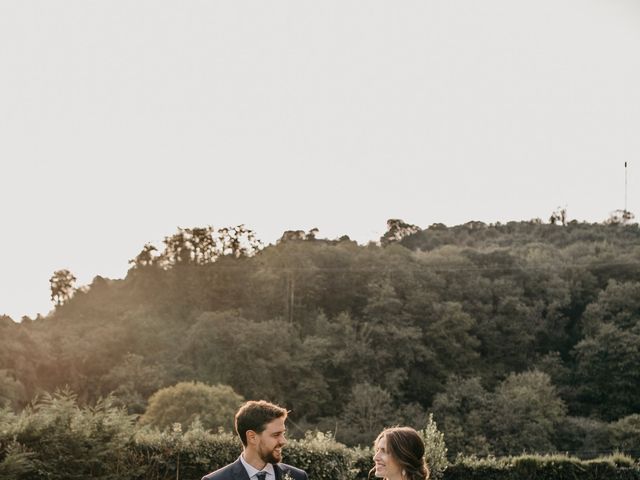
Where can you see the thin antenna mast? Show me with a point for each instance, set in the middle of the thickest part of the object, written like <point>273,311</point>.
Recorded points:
<point>625,187</point>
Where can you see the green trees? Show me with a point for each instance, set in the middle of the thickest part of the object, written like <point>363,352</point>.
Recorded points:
<point>462,412</point>
<point>450,320</point>
<point>12,391</point>
<point>608,357</point>
<point>608,371</point>
<point>397,230</point>
<point>203,245</point>
<point>368,411</point>
<point>145,258</point>
<point>132,382</point>
<point>61,282</point>
<point>226,348</point>
<point>524,413</point>
<point>521,414</point>
<point>184,403</point>
<point>625,433</point>
<point>57,439</point>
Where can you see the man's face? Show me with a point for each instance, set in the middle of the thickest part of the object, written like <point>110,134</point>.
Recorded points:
<point>271,441</point>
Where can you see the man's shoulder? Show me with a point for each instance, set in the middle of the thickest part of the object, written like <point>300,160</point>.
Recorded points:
<point>223,473</point>
<point>295,472</point>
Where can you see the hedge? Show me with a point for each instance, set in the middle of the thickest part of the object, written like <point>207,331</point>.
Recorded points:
<point>547,467</point>
<point>171,455</point>
<point>55,439</point>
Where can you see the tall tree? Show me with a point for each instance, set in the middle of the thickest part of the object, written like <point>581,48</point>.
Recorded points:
<point>62,286</point>
<point>238,241</point>
<point>397,229</point>
<point>145,258</point>
<point>524,414</point>
<point>461,411</point>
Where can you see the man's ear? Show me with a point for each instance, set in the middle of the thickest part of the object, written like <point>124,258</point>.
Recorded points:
<point>251,436</point>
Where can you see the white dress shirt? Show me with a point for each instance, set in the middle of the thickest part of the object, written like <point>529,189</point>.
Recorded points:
<point>251,471</point>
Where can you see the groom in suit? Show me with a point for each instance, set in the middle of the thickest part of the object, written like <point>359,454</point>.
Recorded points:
<point>260,426</point>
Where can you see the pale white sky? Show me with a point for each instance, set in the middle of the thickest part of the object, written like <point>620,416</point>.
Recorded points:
<point>122,120</point>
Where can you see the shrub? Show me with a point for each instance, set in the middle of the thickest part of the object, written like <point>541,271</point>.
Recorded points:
<point>320,456</point>
<point>626,434</point>
<point>213,405</point>
<point>547,467</point>
<point>435,448</point>
<point>170,454</point>
<point>584,437</point>
<point>56,439</point>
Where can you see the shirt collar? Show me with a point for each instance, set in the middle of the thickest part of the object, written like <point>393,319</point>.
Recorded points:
<point>251,470</point>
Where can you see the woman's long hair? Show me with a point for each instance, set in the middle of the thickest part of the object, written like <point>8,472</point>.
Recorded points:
<point>406,447</point>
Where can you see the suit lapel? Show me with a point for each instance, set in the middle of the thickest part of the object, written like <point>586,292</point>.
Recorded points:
<point>239,472</point>
<point>278,471</point>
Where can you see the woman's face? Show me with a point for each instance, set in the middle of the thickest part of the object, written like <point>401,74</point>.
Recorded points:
<point>386,465</point>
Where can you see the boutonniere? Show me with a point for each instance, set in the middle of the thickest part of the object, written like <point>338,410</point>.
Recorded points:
<point>287,476</point>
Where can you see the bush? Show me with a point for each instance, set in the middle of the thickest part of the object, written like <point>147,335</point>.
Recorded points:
<point>626,434</point>
<point>213,405</point>
<point>435,449</point>
<point>320,456</point>
<point>584,437</point>
<point>173,455</point>
<point>361,462</point>
<point>56,439</point>
<point>170,455</point>
<point>548,467</point>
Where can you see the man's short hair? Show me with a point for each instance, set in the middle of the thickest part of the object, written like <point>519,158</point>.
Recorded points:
<point>255,415</point>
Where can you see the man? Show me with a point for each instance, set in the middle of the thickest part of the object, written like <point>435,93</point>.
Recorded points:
<point>260,426</point>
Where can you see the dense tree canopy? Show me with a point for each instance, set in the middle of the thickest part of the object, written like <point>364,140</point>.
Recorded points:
<point>518,336</point>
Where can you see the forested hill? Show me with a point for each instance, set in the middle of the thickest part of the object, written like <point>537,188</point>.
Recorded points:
<point>518,336</point>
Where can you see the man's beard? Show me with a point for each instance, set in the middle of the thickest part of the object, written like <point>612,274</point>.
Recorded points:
<point>271,457</point>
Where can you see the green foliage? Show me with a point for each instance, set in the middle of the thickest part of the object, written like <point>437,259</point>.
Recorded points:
<point>132,382</point>
<point>608,358</point>
<point>435,449</point>
<point>625,434</point>
<point>227,348</point>
<point>214,406</point>
<point>12,391</point>
<point>172,454</point>
<point>462,410</point>
<point>62,286</point>
<point>320,456</point>
<point>536,467</point>
<point>369,410</point>
<point>305,321</point>
<point>361,462</point>
<point>397,230</point>
<point>200,246</point>
<point>56,439</point>
<point>585,437</point>
<point>16,461</point>
<point>524,413</point>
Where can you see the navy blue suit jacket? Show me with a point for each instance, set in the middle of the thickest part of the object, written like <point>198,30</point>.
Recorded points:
<point>236,471</point>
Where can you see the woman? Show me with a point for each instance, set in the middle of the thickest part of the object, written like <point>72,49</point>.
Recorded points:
<point>399,455</point>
